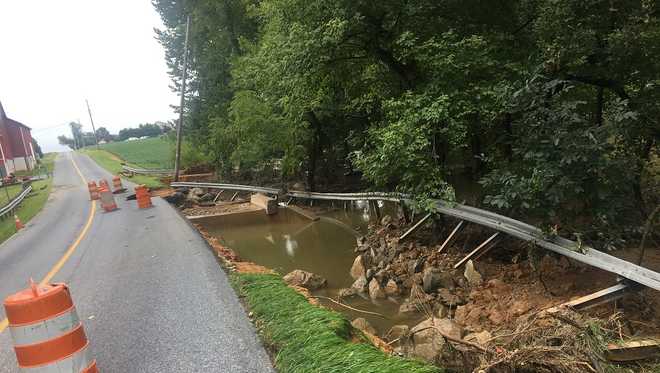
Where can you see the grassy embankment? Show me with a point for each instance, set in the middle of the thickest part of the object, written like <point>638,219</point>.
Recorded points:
<point>308,338</point>
<point>32,204</point>
<point>152,153</point>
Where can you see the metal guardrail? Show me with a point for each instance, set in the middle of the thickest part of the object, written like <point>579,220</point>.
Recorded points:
<point>512,227</point>
<point>246,188</point>
<point>15,202</point>
<point>145,171</point>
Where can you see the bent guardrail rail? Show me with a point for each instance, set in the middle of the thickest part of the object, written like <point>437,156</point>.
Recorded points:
<point>245,188</point>
<point>504,224</point>
<point>145,171</point>
<point>15,202</point>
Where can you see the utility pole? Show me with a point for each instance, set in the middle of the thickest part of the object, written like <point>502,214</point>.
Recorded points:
<point>179,125</point>
<point>93,128</point>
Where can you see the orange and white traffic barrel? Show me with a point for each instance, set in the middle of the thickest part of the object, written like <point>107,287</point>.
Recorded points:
<point>116,185</point>
<point>104,183</point>
<point>93,190</point>
<point>143,196</point>
<point>107,199</point>
<point>19,223</point>
<point>47,333</point>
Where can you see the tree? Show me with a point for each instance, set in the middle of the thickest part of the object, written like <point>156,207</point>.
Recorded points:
<point>67,141</point>
<point>37,148</point>
<point>103,134</point>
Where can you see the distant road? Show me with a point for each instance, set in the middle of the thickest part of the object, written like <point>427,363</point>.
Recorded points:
<point>149,291</point>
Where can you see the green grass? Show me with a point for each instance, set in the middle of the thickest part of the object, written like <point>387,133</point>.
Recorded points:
<point>111,163</point>
<point>30,206</point>
<point>308,338</point>
<point>156,153</point>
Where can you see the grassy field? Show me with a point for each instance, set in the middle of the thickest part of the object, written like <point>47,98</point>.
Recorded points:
<point>154,153</point>
<point>308,338</point>
<point>33,203</point>
<point>112,163</point>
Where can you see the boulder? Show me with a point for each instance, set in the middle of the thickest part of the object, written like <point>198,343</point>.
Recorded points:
<point>428,337</point>
<point>307,280</point>
<point>358,270</point>
<point>391,288</point>
<point>481,338</point>
<point>360,284</point>
<point>197,192</point>
<point>207,197</point>
<point>471,275</point>
<point>398,331</point>
<point>407,308</point>
<point>434,278</point>
<point>363,325</point>
<point>375,291</point>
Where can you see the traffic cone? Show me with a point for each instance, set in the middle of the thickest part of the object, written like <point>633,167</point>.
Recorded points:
<point>107,199</point>
<point>93,190</point>
<point>116,185</point>
<point>104,183</point>
<point>47,333</point>
<point>19,224</point>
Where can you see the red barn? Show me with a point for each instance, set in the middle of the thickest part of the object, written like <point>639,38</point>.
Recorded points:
<point>16,152</point>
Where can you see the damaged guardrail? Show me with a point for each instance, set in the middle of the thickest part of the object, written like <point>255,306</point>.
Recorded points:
<point>15,202</point>
<point>511,227</point>
<point>145,171</point>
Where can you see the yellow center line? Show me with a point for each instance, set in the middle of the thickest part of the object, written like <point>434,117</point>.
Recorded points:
<point>60,263</point>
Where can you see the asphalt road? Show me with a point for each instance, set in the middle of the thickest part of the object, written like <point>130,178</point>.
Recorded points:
<point>147,287</point>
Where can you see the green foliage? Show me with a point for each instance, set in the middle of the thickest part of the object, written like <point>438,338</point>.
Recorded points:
<point>308,338</point>
<point>112,164</point>
<point>552,105</point>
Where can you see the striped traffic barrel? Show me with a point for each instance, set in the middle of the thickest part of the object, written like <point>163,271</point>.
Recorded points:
<point>142,196</point>
<point>104,183</point>
<point>107,199</point>
<point>47,333</point>
<point>93,190</point>
<point>116,185</point>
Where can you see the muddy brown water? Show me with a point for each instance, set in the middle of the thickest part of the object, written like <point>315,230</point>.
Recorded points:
<point>287,241</point>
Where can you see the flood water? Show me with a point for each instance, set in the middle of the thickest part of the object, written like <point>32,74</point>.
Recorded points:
<point>287,241</point>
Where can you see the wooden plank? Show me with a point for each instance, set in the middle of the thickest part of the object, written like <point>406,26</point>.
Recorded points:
<point>476,251</point>
<point>414,227</point>
<point>451,236</point>
<point>267,203</point>
<point>633,350</point>
<point>234,196</point>
<point>218,195</point>
<point>308,214</point>
<point>595,299</point>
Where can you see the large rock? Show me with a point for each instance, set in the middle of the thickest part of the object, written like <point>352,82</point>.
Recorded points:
<point>434,278</point>
<point>481,338</point>
<point>391,288</point>
<point>397,332</point>
<point>428,337</point>
<point>375,291</point>
<point>358,270</point>
<point>360,284</point>
<point>362,324</point>
<point>471,275</point>
<point>198,192</point>
<point>307,280</point>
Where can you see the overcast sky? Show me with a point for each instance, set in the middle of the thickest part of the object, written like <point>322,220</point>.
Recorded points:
<point>54,54</point>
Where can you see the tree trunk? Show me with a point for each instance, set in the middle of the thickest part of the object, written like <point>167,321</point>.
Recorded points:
<point>314,150</point>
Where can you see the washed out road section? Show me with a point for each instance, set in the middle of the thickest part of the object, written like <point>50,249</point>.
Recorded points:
<point>149,291</point>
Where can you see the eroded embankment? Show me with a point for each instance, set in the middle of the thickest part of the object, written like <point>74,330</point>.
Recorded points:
<point>303,336</point>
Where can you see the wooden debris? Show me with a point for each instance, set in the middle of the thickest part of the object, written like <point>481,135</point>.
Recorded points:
<point>479,251</point>
<point>267,203</point>
<point>218,195</point>
<point>595,299</point>
<point>414,227</point>
<point>633,350</point>
<point>451,236</point>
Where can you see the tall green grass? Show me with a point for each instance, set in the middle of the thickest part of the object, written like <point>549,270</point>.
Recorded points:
<point>308,338</point>
<point>113,165</point>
